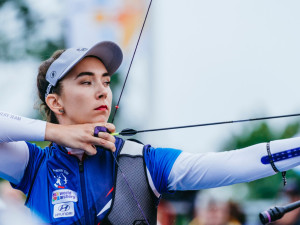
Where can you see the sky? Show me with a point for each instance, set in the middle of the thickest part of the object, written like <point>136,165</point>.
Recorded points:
<point>218,60</point>
<point>198,62</point>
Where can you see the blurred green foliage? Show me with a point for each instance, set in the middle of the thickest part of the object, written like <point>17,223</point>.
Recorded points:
<point>20,32</point>
<point>29,40</point>
<point>268,187</point>
<point>42,144</point>
<point>115,81</point>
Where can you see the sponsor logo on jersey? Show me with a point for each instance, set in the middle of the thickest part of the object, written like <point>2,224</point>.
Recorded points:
<point>63,210</point>
<point>66,195</point>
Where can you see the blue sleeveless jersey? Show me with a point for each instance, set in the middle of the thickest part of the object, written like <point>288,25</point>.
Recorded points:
<point>62,190</point>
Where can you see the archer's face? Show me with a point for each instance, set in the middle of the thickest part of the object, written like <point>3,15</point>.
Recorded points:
<point>86,95</point>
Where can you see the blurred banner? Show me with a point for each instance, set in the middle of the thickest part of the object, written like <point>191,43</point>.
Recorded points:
<point>88,22</point>
<point>115,20</point>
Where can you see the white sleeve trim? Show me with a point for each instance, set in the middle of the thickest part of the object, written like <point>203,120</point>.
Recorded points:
<point>198,171</point>
<point>17,128</point>
<point>157,194</point>
<point>14,158</point>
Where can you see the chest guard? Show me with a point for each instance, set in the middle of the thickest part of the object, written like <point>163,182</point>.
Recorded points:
<point>124,209</point>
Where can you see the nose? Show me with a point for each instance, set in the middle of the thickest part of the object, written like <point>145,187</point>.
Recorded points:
<point>101,91</point>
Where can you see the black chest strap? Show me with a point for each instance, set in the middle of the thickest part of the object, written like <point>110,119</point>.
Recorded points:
<point>124,209</point>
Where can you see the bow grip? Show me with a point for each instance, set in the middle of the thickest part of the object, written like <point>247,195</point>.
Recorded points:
<point>100,129</point>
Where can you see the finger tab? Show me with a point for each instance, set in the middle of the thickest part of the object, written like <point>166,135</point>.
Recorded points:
<point>99,129</point>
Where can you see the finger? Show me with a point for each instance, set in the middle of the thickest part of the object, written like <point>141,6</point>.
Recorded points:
<point>90,150</point>
<point>104,143</point>
<point>107,137</point>
<point>110,127</point>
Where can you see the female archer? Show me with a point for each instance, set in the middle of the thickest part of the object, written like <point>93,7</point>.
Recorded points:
<point>91,177</point>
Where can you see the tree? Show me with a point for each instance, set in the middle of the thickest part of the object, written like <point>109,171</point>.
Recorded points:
<point>22,32</point>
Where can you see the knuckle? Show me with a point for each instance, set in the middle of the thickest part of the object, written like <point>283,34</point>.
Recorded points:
<point>102,135</point>
<point>86,137</point>
<point>102,142</point>
<point>107,136</point>
<point>111,139</point>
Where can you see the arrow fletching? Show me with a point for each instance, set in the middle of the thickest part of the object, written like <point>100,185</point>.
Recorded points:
<point>128,132</point>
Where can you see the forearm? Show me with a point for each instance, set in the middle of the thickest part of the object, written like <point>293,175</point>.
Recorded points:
<point>17,128</point>
<point>198,171</point>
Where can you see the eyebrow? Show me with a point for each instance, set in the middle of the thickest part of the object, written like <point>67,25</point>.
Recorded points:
<point>89,74</point>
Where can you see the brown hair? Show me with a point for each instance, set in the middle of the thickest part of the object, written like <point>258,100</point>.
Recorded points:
<point>42,85</point>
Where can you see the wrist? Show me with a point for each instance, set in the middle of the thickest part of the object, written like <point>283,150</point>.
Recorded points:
<point>52,131</point>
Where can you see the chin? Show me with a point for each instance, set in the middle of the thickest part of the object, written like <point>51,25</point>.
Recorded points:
<point>100,119</point>
<point>94,119</point>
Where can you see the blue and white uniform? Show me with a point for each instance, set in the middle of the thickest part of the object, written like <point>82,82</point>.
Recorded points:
<point>65,190</point>
<point>84,188</point>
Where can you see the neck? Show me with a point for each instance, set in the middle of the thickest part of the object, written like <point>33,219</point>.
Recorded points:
<point>76,152</point>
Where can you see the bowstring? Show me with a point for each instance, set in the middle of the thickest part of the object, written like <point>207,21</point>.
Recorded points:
<point>131,191</point>
<point>117,107</point>
<point>136,46</point>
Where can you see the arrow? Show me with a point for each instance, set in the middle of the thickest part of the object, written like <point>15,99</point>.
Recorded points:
<point>131,132</point>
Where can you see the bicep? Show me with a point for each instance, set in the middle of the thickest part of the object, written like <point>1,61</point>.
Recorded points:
<point>14,157</point>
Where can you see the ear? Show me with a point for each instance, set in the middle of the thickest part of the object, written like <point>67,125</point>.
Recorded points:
<point>55,104</point>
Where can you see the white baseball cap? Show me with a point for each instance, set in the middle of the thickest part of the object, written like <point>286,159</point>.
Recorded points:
<point>108,52</point>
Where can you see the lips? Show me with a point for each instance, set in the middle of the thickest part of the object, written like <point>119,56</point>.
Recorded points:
<point>102,107</point>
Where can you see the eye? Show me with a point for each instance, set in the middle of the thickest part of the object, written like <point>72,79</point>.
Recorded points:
<point>86,82</point>
<point>106,83</point>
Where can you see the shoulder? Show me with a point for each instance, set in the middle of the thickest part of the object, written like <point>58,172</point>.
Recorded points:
<point>161,154</point>
<point>36,151</point>
<point>159,162</point>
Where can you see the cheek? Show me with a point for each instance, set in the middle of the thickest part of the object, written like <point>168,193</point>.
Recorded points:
<point>76,99</point>
<point>109,96</point>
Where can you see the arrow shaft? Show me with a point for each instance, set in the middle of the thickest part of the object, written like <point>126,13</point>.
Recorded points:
<point>219,123</point>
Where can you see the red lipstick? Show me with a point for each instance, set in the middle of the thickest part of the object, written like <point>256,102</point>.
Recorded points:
<point>102,107</point>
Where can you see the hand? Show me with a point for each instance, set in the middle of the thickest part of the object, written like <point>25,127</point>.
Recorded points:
<point>81,136</point>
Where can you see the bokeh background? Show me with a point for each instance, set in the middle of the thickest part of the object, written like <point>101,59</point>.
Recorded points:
<point>197,62</point>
